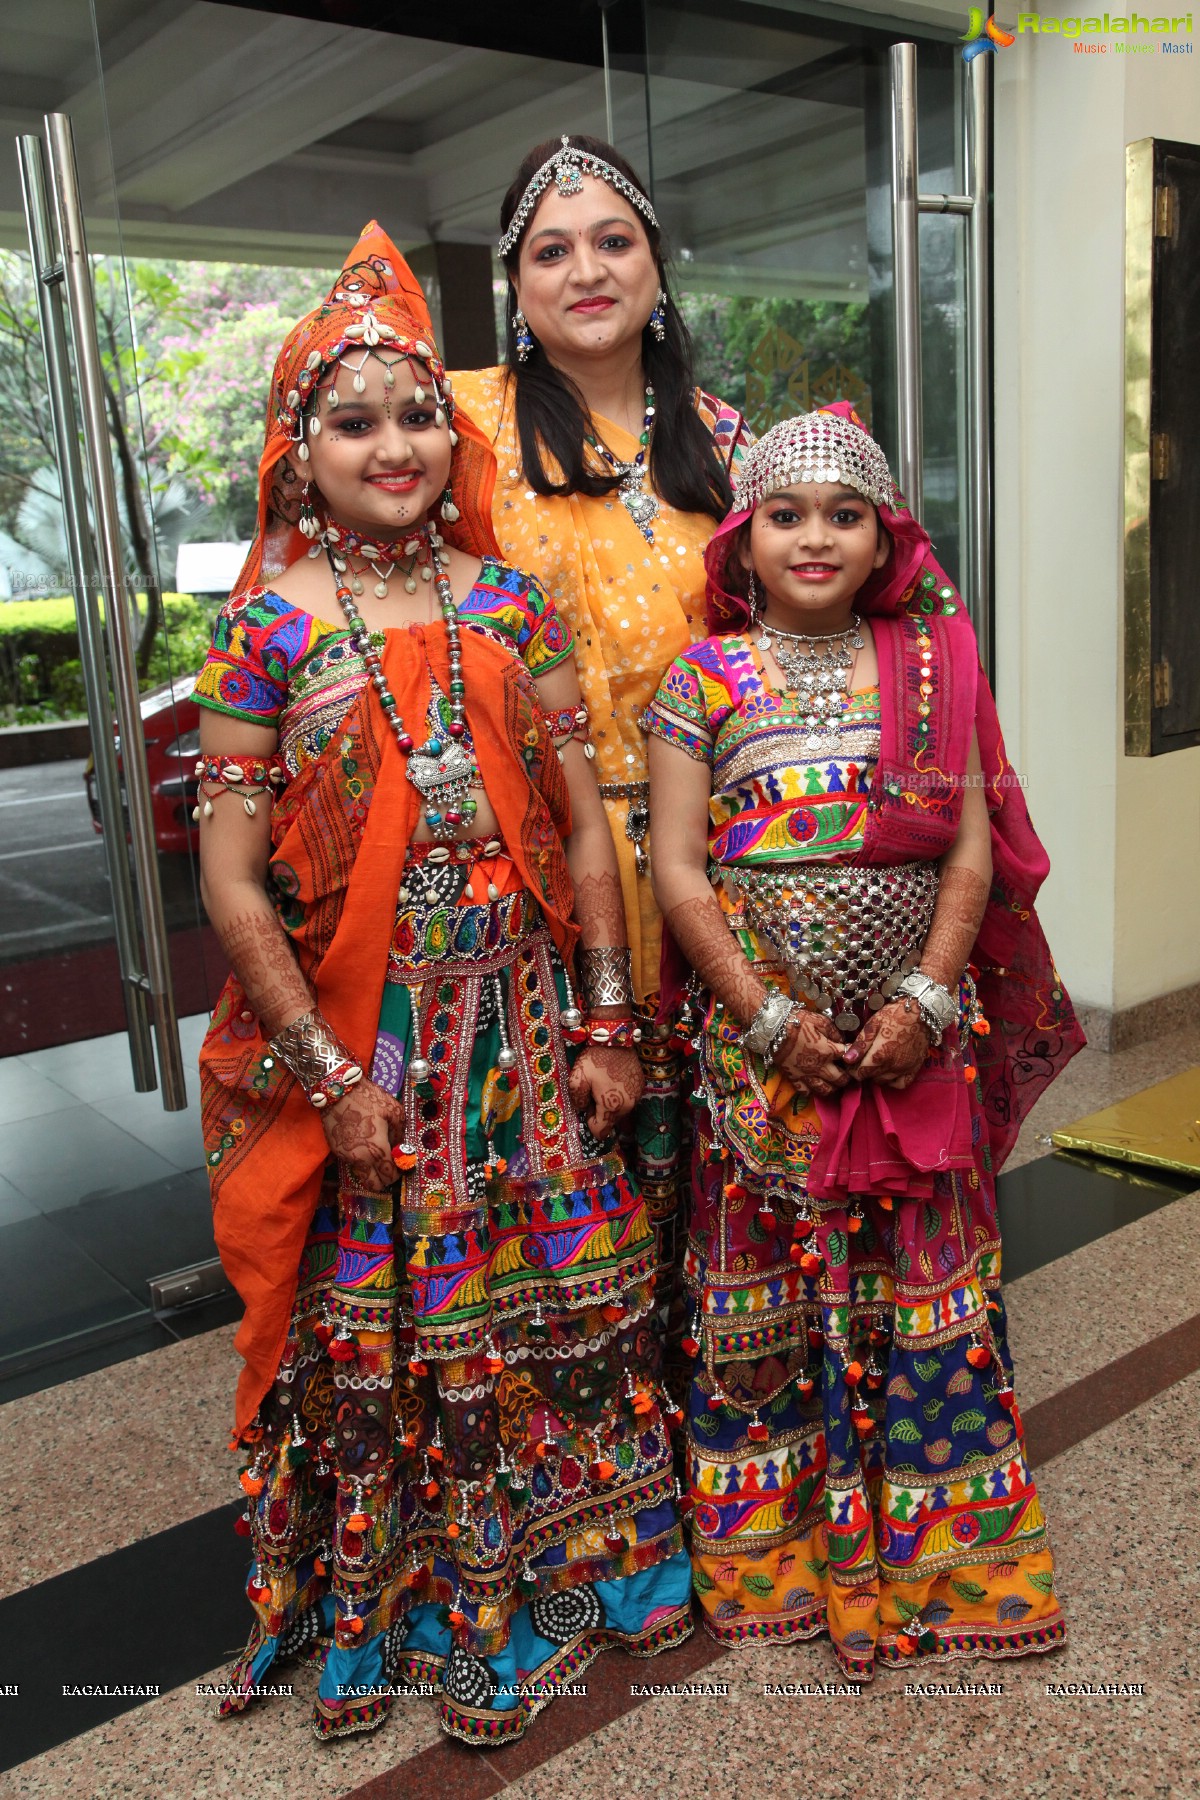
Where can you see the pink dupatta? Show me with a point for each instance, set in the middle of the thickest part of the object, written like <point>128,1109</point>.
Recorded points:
<point>875,1139</point>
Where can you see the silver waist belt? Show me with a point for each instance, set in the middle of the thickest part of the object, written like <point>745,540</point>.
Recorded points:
<point>846,936</point>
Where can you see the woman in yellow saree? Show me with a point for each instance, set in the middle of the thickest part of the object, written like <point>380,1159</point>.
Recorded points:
<point>613,471</point>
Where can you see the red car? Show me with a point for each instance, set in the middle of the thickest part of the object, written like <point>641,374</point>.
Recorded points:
<point>171,722</point>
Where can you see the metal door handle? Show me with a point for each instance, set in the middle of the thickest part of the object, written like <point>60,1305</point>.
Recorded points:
<point>975,208</point>
<point>47,271</point>
<point>81,313</point>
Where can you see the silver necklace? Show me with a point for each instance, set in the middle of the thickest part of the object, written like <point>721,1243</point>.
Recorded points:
<point>635,497</point>
<point>817,671</point>
<point>442,769</point>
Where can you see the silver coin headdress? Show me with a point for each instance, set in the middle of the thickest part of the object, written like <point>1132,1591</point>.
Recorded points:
<point>566,169</point>
<point>818,446</point>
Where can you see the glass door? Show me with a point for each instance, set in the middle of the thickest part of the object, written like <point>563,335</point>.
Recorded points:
<point>770,144</point>
<point>101,941</point>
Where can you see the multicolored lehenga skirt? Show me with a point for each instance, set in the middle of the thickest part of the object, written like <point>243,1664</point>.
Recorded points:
<point>465,1473</point>
<point>856,1461</point>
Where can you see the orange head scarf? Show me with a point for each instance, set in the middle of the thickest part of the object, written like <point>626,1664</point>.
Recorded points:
<point>375,301</point>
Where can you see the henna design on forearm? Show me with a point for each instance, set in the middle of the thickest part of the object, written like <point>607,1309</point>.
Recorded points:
<point>600,911</point>
<point>957,916</point>
<point>265,963</point>
<point>698,927</point>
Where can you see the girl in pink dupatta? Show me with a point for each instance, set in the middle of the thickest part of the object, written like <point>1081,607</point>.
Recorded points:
<point>843,854</point>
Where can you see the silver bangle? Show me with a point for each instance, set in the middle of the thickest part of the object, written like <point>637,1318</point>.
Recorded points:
<point>606,975</point>
<point>765,1032</point>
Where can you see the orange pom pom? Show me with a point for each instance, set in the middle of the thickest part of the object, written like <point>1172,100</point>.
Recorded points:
<point>355,1627</point>
<point>906,1646</point>
<point>854,1371</point>
<point>358,1522</point>
<point>319,1568</point>
<point>453,1530</point>
<point>968,1072</point>
<point>455,1617</point>
<point>251,1484</point>
<point>603,1470</point>
<point>417,1367</point>
<point>431,1490</point>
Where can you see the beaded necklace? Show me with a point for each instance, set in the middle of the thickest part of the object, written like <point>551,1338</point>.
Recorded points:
<point>342,542</point>
<point>820,679</point>
<point>637,500</point>
<point>442,770</point>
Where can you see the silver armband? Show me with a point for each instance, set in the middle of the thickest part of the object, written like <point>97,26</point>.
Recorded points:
<point>606,975</point>
<point>937,1006</point>
<point>767,1029</point>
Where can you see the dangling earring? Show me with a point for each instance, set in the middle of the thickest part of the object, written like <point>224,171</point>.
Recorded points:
<point>658,318</point>
<point>449,510</point>
<point>524,335</point>
<point>754,599</point>
<point>309,524</point>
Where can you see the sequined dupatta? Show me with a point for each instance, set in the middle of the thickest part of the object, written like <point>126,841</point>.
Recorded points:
<point>340,834</point>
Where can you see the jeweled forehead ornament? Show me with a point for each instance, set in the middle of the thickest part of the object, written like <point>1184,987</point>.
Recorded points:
<point>566,169</point>
<point>818,446</point>
<point>371,336</point>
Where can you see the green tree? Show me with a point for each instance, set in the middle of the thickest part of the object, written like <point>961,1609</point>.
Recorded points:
<point>774,356</point>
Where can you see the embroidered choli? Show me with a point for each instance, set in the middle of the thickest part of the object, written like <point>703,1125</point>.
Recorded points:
<point>272,664</point>
<point>773,801</point>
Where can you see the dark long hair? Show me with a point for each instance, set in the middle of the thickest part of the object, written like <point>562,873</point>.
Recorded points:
<point>551,412</point>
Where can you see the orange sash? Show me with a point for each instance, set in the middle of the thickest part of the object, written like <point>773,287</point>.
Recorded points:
<point>341,834</point>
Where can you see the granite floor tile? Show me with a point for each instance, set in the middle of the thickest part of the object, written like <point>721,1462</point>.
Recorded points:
<point>27,1093</point>
<point>13,1205</point>
<point>72,1156</point>
<point>1072,1316</point>
<point>145,1442</point>
<point>1120,1509</point>
<point>99,1068</point>
<point>175,1748</point>
<point>173,1135</point>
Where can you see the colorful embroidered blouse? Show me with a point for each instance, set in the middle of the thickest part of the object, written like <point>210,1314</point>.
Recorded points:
<point>272,664</point>
<point>772,801</point>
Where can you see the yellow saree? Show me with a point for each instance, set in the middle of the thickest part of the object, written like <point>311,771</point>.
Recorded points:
<point>632,605</point>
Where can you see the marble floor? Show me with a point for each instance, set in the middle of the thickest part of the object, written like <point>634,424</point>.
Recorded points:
<point>1106,1341</point>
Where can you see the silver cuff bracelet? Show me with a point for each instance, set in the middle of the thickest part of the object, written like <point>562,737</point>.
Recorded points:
<point>606,975</point>
<point>765,1032</point>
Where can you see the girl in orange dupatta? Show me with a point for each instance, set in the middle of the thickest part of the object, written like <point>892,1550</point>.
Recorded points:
<point>457,1466</point>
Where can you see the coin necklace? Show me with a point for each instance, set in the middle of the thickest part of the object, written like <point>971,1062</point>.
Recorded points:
<point>442,769</point>
<point>817,671</point>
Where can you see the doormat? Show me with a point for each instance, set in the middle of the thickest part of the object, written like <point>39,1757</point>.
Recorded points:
<point>1159,1127</point>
